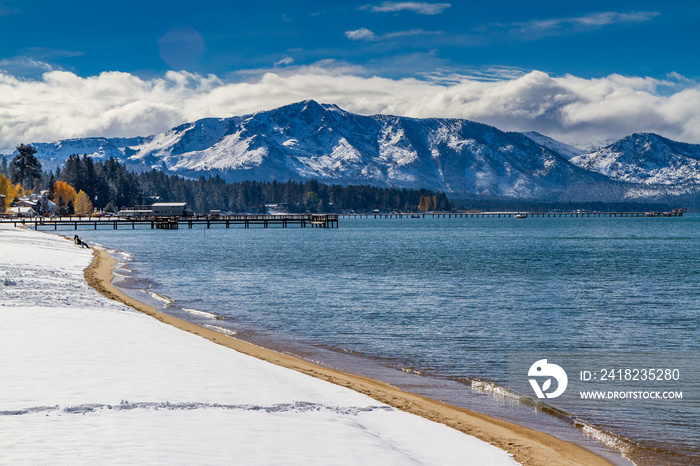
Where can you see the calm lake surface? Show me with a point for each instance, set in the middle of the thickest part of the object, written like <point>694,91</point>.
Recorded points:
<point>439,306</point>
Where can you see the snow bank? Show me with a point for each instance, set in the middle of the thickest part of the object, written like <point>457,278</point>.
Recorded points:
<point>87,380</point>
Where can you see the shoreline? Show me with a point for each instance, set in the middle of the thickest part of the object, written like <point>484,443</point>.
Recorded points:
<point>529,447</point>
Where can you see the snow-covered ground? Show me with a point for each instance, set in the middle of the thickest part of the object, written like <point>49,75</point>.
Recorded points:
<point>85,380</point>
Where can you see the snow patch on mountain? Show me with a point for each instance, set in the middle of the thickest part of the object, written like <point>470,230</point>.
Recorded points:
<point>342,159</point>
<point>230,153</point>
<point>565,150</point>
<point>394,148</point>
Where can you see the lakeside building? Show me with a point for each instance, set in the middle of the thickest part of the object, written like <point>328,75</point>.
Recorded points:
<point>169,209</point>
<point>22,212</point>
<point>39,203</point>
<point>128,213</point>
<point>159,209</point>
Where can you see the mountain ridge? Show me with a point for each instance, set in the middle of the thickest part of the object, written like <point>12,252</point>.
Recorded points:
<point>308,140</point>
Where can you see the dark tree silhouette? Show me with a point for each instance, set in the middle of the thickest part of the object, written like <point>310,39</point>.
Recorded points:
<point>25,167</point>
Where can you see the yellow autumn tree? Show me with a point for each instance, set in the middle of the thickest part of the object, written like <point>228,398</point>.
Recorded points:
<point>83,206</point>
<point>66,191</point>
<point>9,190</point>
<point>424,203</point>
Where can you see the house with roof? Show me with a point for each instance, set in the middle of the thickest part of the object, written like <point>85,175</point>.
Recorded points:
<point>27,202</point>
<point>22,212</point>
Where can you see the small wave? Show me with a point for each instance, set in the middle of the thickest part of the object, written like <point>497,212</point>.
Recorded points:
<point>203,313</point>
<point>159,297</point>
<point>225,331</point>
<point>125,256</point>
<point>495,389</point>
<point>612,441</point>
<point>411,371</point>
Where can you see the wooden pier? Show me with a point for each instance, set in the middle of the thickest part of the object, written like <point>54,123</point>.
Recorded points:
<point>175,223</point>
<point>674,213</point>
<point>288,220</point>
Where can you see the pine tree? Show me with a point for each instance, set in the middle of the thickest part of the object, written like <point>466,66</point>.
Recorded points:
<point>25,167</point>
<point>60,207</point>
<point>51,192</point>
<point>43,205</point>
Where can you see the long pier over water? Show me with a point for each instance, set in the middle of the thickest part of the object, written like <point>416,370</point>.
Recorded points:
<point>175,223</point>
<point>286,220</point>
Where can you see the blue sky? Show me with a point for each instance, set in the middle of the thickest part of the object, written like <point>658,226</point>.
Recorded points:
<point>579,71</point>
<point>583,38</point>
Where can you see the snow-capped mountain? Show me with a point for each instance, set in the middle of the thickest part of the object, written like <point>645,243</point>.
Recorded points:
<point>645,158</point>
<point>308,140</point>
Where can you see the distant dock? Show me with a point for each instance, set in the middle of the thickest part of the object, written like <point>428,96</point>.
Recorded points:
<point>522,214</point>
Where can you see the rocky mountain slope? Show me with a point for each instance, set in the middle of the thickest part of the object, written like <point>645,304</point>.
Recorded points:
<point>645,158</point>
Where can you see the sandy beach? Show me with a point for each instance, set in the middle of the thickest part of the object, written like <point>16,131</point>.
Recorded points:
<point>528,446</point>
<point>116,364</point>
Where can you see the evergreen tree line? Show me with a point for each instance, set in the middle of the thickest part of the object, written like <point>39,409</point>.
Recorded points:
<point>110,187</point>
<point>206,194</point>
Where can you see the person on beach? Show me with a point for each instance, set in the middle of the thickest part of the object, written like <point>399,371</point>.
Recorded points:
<point>79,242</point>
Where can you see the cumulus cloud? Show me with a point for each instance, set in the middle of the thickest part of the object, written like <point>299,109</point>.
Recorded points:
<point>360,34</point>
<point>61,105</point>
<point>422,8</point>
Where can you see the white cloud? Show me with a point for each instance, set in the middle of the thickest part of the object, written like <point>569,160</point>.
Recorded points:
<point>611,17</point>
<point>558,25</point>
<point>366,34</point>
<point>409,33</point>
<point>360,34</point>
<point>422,8</point>
<point>285,61</point>
<point>61,105</point>
<point>24,64</point>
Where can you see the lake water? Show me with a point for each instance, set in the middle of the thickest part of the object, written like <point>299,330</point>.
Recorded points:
<point>458,309</point>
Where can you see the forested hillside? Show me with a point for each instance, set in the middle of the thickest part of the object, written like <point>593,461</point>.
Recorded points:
<point>110,186</point>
